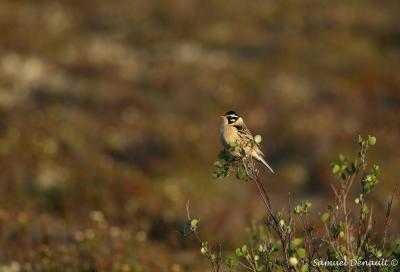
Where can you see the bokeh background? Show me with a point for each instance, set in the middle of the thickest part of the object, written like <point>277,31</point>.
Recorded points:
<point>109,118</point>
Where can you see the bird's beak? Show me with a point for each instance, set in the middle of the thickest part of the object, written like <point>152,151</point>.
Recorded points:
<point>222,116</point>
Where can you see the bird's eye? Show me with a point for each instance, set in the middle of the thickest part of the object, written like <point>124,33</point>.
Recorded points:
<point>232,120</point>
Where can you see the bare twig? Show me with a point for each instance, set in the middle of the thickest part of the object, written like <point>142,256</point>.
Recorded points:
<point>388,220</point>
<point>214,265</point>
<point>277,226</point>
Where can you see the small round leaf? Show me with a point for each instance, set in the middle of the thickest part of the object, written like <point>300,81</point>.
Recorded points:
<point>258,139</point>
<point>301,252</point>
<point>325,217</point>
<point>194,224</point>
<point>371,140</point>
<point>293,261</point>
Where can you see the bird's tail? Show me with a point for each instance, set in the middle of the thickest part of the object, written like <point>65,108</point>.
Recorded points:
<point>266,165</point>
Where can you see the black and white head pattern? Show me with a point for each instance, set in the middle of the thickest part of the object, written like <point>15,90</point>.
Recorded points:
<point>232,117</point>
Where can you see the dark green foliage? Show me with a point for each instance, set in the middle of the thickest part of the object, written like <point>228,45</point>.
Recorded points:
<point>243,167</point>
<point>222,165</point>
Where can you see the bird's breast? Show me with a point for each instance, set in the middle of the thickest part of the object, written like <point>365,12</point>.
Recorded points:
<point>228,135</point>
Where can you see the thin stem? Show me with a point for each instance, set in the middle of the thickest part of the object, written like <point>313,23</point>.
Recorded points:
<point>244,265</point>
<point>387,218</point>
<point>214,265</point>
<point>278,228</point>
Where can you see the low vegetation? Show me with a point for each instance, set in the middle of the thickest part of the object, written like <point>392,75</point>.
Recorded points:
<point>287,241</point>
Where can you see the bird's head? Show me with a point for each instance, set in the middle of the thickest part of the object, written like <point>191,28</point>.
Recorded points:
<point>230,118</point>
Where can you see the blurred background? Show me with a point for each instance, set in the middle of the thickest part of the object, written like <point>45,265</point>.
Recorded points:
<point>109,119</point>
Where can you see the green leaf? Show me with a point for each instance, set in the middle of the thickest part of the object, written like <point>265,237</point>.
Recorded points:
<point>257,139</point>
<point>325,217</point>
<point>230,261</point>
<point>343,159</point>
<point>194,224</point>
<point>304,268</point>
<point>293,261</point>
<point>298,209</point>
<point>218,164</point>
<point>297,241</point>
<point>301,252</point>
<point>241,251</point>
<point>261,248</point>
<point>360,139</point>
<point>371,140</point>
<point>354,166</point>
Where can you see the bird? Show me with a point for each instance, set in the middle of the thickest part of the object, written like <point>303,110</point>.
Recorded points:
<point>233,131</point>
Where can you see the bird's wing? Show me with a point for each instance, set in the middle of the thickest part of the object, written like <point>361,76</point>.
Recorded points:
<point>246,134</point>
<point>244,131</point>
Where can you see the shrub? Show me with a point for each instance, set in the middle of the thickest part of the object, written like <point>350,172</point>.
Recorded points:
<point>279,244</point>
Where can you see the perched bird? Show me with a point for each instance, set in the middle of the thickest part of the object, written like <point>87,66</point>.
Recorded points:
<point>233,131</point>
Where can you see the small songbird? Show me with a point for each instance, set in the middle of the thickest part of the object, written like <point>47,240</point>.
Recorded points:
<point>233,131</point>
